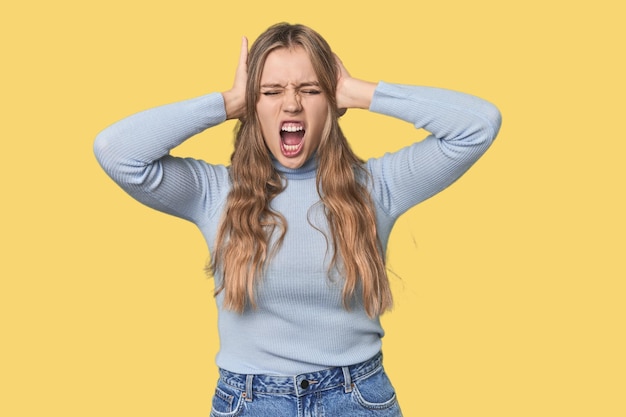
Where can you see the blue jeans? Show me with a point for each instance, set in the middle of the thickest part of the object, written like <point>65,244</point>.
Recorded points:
<point>354,391</point>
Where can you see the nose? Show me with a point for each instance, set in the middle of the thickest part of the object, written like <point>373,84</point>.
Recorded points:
<point>292,103</point>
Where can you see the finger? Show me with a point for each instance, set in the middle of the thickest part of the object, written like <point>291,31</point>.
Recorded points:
<point>342,69</point>
<point>243,54</point>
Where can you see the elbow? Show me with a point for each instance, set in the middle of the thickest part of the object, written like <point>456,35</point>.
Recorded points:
<point>486,125</point>
<point>111,155</point>
<point>114,158</point>
<point>485,129</point>
<point>492,120</point>
<point>100,146</point>
<point>103,151</point>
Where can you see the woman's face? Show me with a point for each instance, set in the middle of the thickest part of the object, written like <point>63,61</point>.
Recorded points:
<point>292,108</point>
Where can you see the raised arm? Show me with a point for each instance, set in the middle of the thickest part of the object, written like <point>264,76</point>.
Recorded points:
<point>135,151</point>
<point>462,127</point>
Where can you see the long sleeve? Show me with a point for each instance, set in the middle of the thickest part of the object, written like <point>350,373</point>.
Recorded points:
<point>462,127</point>
<point>135,154</point>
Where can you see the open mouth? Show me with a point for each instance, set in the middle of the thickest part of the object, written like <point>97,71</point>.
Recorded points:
<point>291,138</point>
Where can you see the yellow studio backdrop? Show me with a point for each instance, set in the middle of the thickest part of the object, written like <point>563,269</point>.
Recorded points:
<point>509,285</point>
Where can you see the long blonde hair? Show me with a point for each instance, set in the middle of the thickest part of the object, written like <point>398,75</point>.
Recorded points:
<point>242,247</point>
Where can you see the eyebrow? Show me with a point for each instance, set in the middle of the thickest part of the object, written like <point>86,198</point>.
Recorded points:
<point>304,84</point>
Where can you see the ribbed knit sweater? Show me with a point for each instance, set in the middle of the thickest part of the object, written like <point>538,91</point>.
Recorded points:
<point>300,324</point>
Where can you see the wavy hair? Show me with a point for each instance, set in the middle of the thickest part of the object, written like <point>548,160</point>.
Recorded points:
<point>242,247</point>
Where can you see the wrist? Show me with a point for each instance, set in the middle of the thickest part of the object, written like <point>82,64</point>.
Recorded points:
<point>234,104</point>
<point>358,93</point>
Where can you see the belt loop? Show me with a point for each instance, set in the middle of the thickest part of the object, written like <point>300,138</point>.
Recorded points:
<point>249,387</point>
<point>347,379</point>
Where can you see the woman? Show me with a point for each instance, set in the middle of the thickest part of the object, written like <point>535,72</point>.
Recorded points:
<point>297,225</point>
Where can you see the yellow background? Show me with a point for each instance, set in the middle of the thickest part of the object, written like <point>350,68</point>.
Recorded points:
<point>510,296</point>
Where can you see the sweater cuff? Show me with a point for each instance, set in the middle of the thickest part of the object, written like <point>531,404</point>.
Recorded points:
<point>212,106</point>
<point>388,99</point>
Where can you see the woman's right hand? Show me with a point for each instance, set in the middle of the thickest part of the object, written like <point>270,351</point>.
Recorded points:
<point>235,98</point>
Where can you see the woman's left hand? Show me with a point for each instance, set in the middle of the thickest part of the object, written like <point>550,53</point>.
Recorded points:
<point>352,92</point>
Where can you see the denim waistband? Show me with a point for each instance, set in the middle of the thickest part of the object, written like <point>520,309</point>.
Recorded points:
<point>302,384</point>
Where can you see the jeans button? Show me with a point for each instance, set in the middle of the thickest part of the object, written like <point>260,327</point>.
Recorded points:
<point>304,384</point>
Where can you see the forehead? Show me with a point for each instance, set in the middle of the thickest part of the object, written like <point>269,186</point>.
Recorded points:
<point>288,66</point>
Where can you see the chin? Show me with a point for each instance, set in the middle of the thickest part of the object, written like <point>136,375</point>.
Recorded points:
<point>291,163</point>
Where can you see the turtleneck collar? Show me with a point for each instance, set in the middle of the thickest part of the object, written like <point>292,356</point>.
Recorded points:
<point>306,171</point>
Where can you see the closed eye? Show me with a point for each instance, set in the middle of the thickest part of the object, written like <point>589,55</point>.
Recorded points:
<point>303,91</point>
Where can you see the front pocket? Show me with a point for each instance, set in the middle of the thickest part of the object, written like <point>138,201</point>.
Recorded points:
<point>226,401</point>
<point>375,391</point>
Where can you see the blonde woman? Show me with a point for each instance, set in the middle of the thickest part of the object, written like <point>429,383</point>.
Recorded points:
<point>297,225</point>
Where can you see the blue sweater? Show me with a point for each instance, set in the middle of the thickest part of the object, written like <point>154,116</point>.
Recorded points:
<point>300,324</point>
